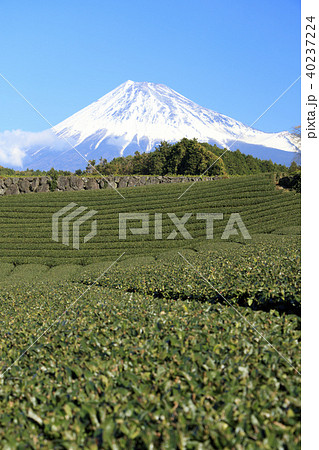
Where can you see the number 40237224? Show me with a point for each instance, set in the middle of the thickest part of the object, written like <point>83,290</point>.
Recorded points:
<point>310,47</point>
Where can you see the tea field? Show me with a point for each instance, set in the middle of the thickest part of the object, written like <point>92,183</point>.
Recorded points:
<point>26,220</point>
<point>179,345</point>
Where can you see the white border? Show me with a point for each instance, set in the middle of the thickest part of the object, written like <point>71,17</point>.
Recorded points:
<point>310,241</point>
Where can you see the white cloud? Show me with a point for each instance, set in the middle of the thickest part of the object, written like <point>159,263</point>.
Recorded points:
<point>15,144</point>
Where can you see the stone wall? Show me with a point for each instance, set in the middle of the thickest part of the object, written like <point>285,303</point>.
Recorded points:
<point>15,185</point>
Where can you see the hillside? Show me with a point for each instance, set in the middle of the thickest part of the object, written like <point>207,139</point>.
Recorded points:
<point>26,221</point>
<point>165,347</point>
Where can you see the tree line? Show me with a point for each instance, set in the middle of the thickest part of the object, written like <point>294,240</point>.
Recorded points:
<point>186,157</point>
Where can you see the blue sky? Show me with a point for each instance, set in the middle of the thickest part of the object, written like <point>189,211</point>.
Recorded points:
<point>229,56</point>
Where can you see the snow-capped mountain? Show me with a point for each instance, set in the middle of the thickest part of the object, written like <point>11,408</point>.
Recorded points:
<point>138,116</point>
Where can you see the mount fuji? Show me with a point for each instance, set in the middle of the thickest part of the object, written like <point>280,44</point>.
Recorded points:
<point>138,116</point>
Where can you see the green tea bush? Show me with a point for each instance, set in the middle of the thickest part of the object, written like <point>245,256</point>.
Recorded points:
<point>127,370</point>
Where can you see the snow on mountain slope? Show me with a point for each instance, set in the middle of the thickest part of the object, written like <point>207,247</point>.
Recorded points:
<point>137,116</point>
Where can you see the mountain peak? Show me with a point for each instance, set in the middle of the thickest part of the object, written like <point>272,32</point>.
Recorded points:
<point>138,115</point>
<point>141,83</point>
<point>145,86</point>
